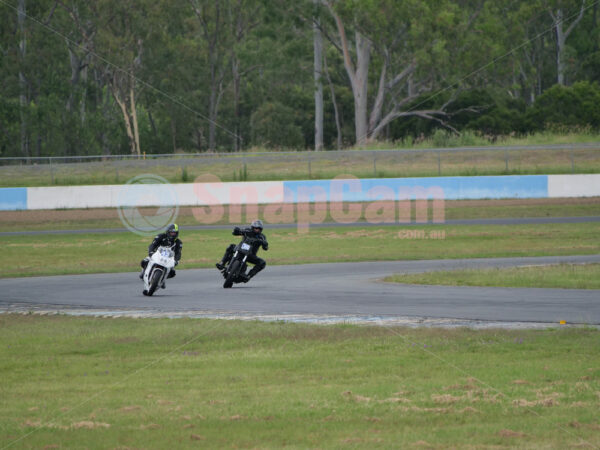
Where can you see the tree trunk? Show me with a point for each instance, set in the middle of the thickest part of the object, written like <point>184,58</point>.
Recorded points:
<point>358,77</point>
<point>127,120</point>
<point>318,70</point>
<point>338,125</point>
<point>236,103</point>
<point>23,95</point>
<point>134,120</point>
<point>560,44</point>
<point>212,115</point>
<point>104,95</point>
<point>75,65</point>
<point>82,101</point>
<point>173,135</point>
<point>561,40</point>
<point>359,87</point>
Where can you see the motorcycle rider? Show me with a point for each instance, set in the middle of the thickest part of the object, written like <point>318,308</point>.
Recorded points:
<point>253,231</point>
<point>170,238</point>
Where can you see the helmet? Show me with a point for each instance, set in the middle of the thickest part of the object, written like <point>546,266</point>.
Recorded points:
<point>257,225</point>
<point>172,231</point>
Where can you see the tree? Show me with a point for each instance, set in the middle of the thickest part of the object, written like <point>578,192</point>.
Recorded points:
<point>245,16</point>
<point>556,9</point>
<point>124,36</point>
<point>23,95</point>
<point>318,72</point>
<point>407,45</point>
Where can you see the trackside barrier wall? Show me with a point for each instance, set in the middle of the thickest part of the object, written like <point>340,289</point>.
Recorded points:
<point>347,190</point>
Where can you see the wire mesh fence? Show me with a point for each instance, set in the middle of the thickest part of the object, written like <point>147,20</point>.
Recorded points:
<point>393,163</point>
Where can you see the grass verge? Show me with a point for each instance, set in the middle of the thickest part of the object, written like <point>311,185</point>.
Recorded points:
<point>78,382</point>
<point>73,219</point>
<point>567,276</point>
<point>410,161</point>
<point>121,252</point>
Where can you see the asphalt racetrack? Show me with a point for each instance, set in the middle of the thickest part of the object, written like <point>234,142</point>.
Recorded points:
<point>343,292</point>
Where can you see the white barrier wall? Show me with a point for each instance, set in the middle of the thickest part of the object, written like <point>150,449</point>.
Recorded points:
<point>140,195</point>
<point>574,185</point>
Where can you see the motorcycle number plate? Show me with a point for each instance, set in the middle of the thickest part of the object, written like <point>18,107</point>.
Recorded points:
<point>245,246</point>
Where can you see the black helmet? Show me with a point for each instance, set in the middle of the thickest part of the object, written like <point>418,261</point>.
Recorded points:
<point>172,231</point>
<point>257,225</point>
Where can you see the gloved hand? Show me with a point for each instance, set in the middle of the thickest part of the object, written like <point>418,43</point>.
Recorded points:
<point>265,246</point>
<point>237,231</point>
<point>176,262</point>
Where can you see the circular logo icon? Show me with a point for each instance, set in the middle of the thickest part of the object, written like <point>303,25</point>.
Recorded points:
<point>147,204</point>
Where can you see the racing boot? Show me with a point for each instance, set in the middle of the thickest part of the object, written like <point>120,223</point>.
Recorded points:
<point>220,266</point>
<point>252,272</point>
<point>245,278</point>
<point>144,264</point>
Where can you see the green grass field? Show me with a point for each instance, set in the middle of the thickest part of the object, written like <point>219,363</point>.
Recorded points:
<point>565,276</point>
<point>71,382</point>
<point>58,254</point>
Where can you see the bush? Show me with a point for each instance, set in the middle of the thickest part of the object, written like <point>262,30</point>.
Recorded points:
<point>567,106</point>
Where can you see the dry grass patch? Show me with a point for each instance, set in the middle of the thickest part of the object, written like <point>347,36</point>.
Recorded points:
<point>446,398</point>
<point>89,425</point>
<point>132,408</point>
<point>511,434</point>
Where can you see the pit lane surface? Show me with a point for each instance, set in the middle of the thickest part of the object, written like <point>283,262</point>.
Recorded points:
<point>308,292</point>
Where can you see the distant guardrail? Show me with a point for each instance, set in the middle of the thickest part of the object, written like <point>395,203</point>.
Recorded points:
<point>300,165</point>
<point>307,154</point>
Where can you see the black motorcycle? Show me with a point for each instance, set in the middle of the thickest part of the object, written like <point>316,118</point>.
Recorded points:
<point>234,271</point>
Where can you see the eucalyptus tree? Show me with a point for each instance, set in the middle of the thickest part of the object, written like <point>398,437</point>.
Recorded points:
<point>23,94</point>
<point>566,15</point>
<point>318,76</point>
<point>123,41</point>
<point>411,47</point>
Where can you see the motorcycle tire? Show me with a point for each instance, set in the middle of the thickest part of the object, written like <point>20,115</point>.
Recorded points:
<point>232,274</point>
<point>156,276</point>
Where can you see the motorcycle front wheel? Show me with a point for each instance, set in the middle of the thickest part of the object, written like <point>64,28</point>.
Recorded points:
<point>156,276</point>
<point>232,274</point>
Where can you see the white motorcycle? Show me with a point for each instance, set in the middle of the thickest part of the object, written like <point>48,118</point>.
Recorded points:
<point>160,264</point>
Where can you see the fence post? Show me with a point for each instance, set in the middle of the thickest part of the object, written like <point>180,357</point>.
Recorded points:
<point>309,168</point>
<point>506,160</point>
<point>51,170</point>
<point>439,163</point>
<point>375,166</point>
<point>572,161</point>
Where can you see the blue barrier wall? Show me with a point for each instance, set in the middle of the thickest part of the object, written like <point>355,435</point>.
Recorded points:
<point>12,199</point>
<point>449,188</point>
